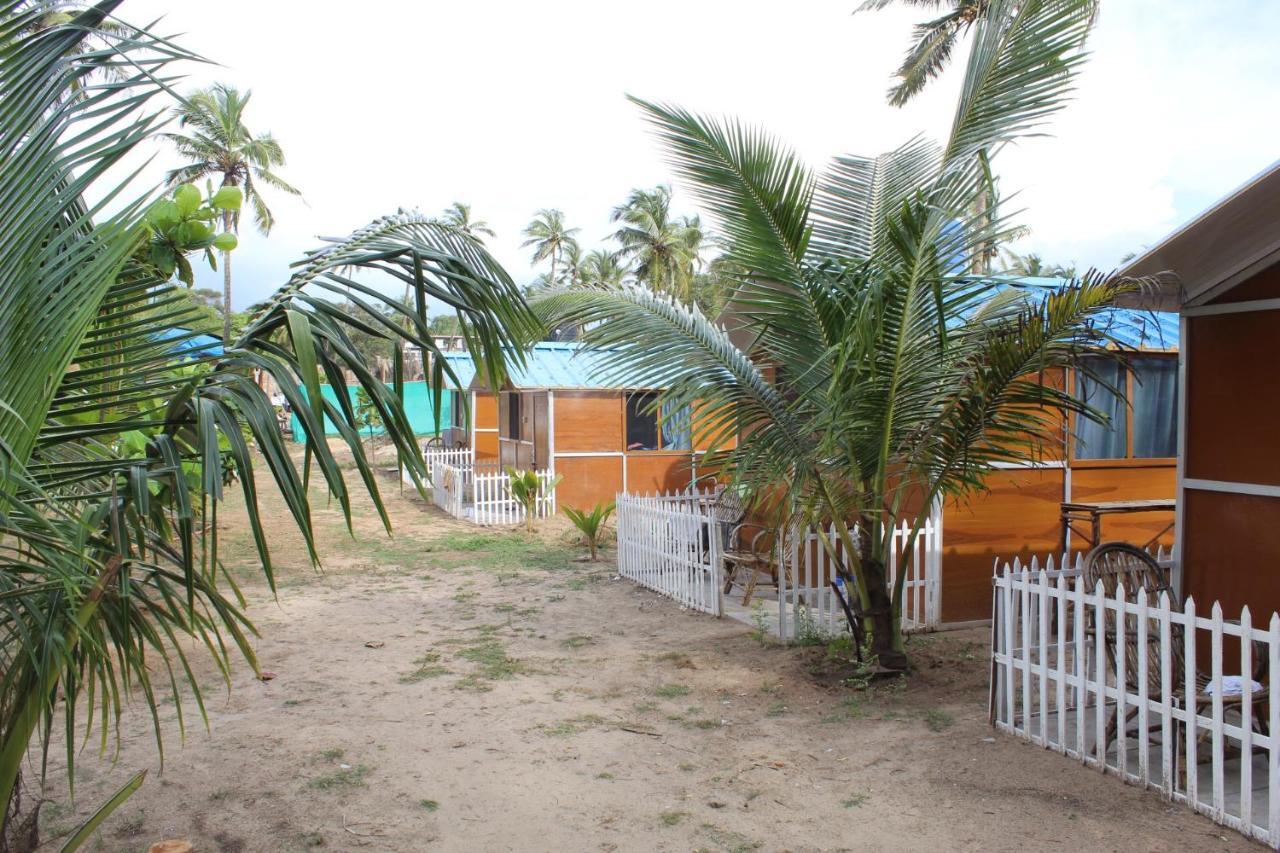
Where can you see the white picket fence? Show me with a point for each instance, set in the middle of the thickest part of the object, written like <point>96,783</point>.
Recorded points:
<point>458,457</point>
<point>492,502</point>
<point>448,487</point>
<point>481,492</point>
<point>1068,663</point>
<point>808,603</point>
<point>672,545</point>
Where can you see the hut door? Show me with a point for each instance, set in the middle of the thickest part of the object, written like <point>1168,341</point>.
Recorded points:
<point>541,436</point>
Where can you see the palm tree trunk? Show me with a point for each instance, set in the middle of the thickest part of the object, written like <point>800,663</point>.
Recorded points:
<point>226,285</point>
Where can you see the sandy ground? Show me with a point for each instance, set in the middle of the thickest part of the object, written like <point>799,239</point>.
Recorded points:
<point>514,699</point>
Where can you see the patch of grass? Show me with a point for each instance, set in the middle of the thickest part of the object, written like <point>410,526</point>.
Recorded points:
<point>856,799</point>
<point>850,708</point>
<point>429,805</point>
<point>473,683</point>
<point>679,659</point>
<point>670,691</point>
<point>672,818</point>
<point>644,707</point>
<point>577,641</point>
<point>332,754</point>
<point>771,688</point>
<point>344,777</point>
<point>220,795</point>
<point>937,720</point>
<point>502,553</point>
<point>777,709</point>
<point>428,666</point>
<point>686,766</point>
<point>607,777</point>
<point>760,620</point>
<point>132,825</point>
<point>563,729</point>
<point>494,662</point>
<point>734,842</point>
<point>703,724</point>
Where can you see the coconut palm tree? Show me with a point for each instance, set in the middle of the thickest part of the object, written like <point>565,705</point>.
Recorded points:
<point>550,239</point>
<point>664,249</point>
<point>602,269</point>
<point>458,215</point>
<point>935,40</point>
<point>878,375</point>
<point>117,443</point>
<point>218,144</point>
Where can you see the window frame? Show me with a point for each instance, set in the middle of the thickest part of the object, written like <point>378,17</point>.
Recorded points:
<point>627,397</point>
<point>1130,383</point>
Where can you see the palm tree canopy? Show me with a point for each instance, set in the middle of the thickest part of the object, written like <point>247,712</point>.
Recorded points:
<point>665,250</point>
<point>116,445</point>
<point>219,144</point>
<point>934,41</point>
<point>876,373</point>
<point>458,215</point>
<point>548,235</point>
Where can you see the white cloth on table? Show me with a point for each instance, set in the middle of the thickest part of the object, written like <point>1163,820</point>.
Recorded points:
<point>1232,685</point>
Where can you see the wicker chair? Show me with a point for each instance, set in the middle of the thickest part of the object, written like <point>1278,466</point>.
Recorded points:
<point>1113,563</point>
<point>756,557</point>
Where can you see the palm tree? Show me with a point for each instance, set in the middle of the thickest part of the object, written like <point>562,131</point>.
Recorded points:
<point>573,260</point>
<point>549,238</point>
<point>1032,265</point>
<point>881,376</point>
<point>665,250</point>
<point>116,446</point>
<point>602,269</point>
<point>458,215</point>
<point>935,40</point>
<point>219,144</point>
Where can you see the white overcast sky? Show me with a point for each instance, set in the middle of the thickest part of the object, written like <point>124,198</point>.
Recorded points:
<point>516,106</point>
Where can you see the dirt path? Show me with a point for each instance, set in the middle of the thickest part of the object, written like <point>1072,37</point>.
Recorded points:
<point>517,700</point>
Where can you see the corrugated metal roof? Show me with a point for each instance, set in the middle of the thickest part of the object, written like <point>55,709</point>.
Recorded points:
<point>564,364</point>
<point>463,366</point>
<point>1132,327</point>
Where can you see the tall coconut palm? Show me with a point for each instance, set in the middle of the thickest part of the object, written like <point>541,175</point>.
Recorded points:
<point>880,375</point>
<point>220,145</point>
<point>550,238</point>
<point>664,249</point>
<point>935,40</point>
<point>117,443</point>
<point>458,215</point>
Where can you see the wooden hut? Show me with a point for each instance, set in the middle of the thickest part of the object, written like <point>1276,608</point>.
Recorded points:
<point>1225,284</point>
<point>480,432</point>
<point>559,413</point>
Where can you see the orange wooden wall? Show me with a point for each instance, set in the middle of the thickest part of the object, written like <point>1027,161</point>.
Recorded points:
<point>1231,542</point>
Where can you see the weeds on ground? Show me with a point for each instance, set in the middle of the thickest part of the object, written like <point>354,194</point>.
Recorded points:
<point>672,818</point>
<point>429,805</point>
<point>762,634</point>
<point>809,632</point>
<point>671,691</point>
<point>734,842</point>
<point>495,664</point>
<point>344,777</point>
<point>849,708</point>
<point>856,799</point>
<point>937,720</point>
<point>428,666</point>
<point>577,641</point>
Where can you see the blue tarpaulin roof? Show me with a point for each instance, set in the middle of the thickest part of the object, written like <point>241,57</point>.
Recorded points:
<point>1131,327</point>
<point>190,344</point>
<point>462,366</point>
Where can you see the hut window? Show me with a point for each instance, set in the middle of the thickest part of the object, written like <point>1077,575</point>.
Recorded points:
<point>513,415</point>
<point>1143,413</point>
<point>1155,406</point>
<point>642,422</point>
<point>647,431</point>
<point>457,411</point>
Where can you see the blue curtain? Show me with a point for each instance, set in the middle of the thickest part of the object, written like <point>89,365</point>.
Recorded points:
<point>677,427</point>
<point>1095,440</point>
<point>1155,407</point>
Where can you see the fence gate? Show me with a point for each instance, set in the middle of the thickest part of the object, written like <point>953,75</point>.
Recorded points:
<point>671,545</point>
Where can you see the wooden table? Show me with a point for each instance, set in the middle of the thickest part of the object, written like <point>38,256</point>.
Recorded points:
<point>1078,512</point>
